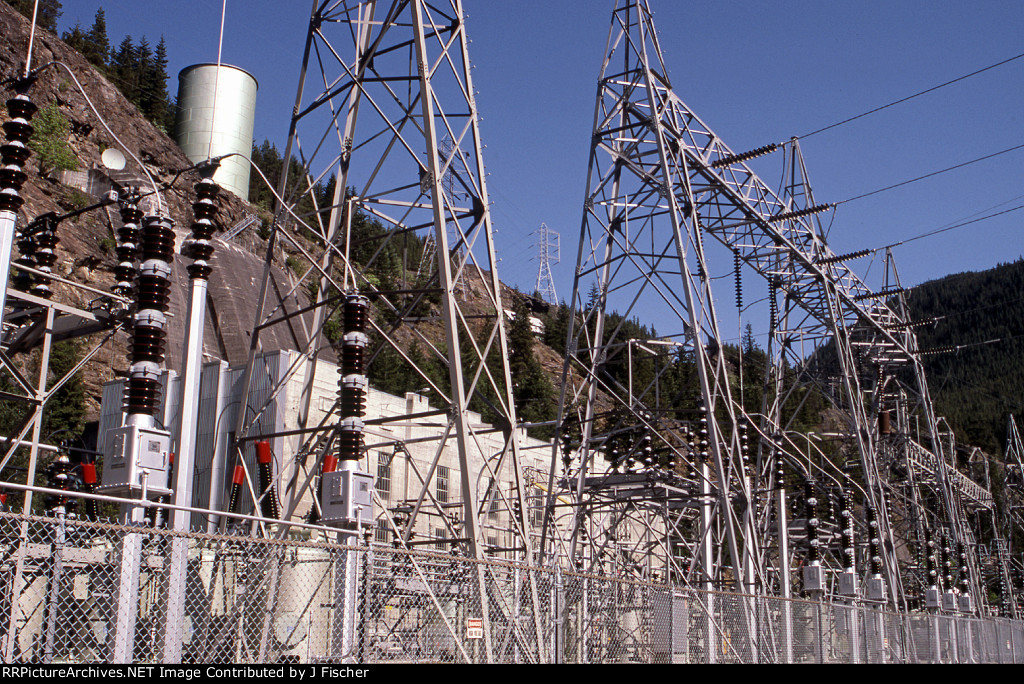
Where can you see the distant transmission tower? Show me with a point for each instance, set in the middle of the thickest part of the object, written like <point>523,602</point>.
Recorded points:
<point>550,254</point>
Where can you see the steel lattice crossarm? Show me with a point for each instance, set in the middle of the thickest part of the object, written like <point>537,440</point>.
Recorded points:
<point>734,205</point>
<point>972,493</point>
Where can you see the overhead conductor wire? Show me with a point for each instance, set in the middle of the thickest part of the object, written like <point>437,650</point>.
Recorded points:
<point>911,97</point>
<point>931,175</point>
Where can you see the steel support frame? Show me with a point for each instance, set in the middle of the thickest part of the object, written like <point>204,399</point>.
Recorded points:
<point>393,118</point>
<point>639,237</point>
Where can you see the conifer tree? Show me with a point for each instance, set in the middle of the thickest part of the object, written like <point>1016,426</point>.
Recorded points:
<point>533,393</point>
<point>162,108</point>
<point>50,141</point>
<point>75,39</point>
<point>49,11</point>
<point>143,77</point>
<point>124,69</point>
<point>97,45</point>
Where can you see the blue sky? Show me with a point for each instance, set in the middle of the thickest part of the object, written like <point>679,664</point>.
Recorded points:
<point>756,71</point>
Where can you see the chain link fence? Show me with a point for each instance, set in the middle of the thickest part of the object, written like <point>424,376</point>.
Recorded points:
<point>78,592</point>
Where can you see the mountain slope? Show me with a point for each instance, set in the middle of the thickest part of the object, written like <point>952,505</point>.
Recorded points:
<point>977,328</point>
<point>85,253</point>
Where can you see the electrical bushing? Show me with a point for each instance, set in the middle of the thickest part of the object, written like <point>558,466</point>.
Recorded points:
<point>235,499</point>
<point>745,447</point>
<point>15,152</point>
<point>874,542</point>
<point>811,512</point>
<point>846,519</point>
<point>947,562</point>
<point>199,247</point>
<point>703,434</point>
<point>22,279</point>
<point>45,255</point>
<point>965,583</point>
<point>153,296</point>
<point>353,384</point>
<point>346,494</point>
<point>128,236</point>
<point>269,504</point>
<point>780,465</point>
<point>59,477</point>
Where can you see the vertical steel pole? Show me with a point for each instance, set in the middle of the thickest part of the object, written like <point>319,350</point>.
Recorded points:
<point>201,249</point>
<point>53,600</point>
<point>559,619</point>
<point>785,579</point>
<point>177,572</point>
<point>218,466</point>
<point>129,560</point>
<point>707,559</point>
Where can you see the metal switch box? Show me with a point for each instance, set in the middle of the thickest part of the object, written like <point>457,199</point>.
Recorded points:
<point>347,499</point>
<point>136,460</point>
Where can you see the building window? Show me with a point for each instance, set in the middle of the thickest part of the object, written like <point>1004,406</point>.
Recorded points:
<point>536,505</point>
<point>383,483</point>
<point>382,533</point>
<point>441,534</point>
<point>443,473</point>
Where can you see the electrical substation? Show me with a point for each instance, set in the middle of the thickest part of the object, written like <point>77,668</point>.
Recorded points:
<point>278,508</point>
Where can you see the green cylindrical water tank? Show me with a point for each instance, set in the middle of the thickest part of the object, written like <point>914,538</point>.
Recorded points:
<point>216,114</point>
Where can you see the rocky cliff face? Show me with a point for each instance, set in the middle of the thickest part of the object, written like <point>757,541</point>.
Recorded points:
<point>86,253</point>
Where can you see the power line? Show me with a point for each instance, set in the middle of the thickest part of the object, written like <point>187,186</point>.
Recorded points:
<point>955,349</point>
<point>930,175</point>
<point>955,314</point>
<point>911,97</point>
<point>949,228</point>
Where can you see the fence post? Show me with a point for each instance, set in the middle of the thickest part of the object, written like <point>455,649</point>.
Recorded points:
<point>937,639</point>
<point>786,633</point>
<point>585,622</point>
<point>821,634</point>
<point>968,641</point>
<point>53,602</point>
<point>556,604</point>
<point>1013,647</point>
<point>363,620</point>
<point>129,561</point>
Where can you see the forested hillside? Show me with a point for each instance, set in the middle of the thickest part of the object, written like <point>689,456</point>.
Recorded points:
<point>976,342</point>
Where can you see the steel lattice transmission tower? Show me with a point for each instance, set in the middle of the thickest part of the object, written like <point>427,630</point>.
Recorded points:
<point>550,244</point>
<point>386,116</point>
<point>641,249</point>
<point>655,441</point>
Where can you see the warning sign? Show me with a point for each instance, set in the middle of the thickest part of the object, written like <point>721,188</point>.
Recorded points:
<point>474,628</point>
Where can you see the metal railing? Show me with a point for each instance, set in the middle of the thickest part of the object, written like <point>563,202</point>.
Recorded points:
<point>249,600</point>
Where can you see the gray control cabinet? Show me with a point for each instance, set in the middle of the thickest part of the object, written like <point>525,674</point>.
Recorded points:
<point>814,578</point>
<point>347,499</point>
<point>136,460</point>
